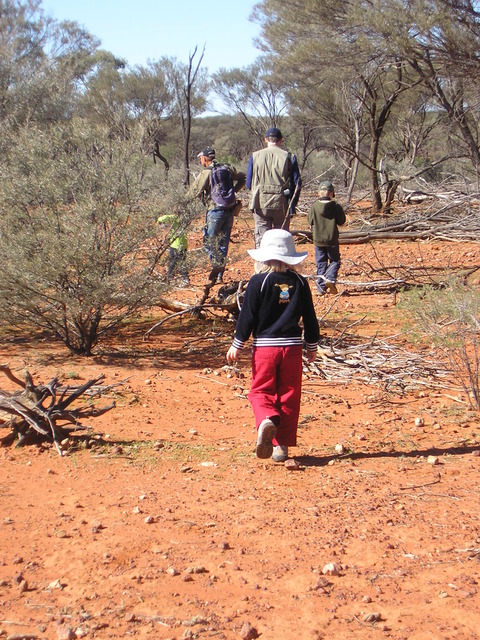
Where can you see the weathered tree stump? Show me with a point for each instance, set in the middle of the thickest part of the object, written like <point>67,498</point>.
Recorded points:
<point>44,412</point>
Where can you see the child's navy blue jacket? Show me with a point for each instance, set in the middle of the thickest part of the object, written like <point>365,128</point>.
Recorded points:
<point>272,308</point>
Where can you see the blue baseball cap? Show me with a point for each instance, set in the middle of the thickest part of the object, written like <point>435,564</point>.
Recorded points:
<point>273,132</point>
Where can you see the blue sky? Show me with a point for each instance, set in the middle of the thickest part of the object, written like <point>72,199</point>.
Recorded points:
<point>149,29</point>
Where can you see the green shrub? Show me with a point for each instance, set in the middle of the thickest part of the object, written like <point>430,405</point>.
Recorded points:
<point>449,319</point>
<point>78,233</point>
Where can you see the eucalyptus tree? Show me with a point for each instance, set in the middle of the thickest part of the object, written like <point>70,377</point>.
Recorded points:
<point>440,40</point>
<point>331,119</point>
<point>150,100</point>
<point>41,63</point>
<point>326,44</point>
<point>121,97</point>
<point>253,92</point>
<point>382,50</point>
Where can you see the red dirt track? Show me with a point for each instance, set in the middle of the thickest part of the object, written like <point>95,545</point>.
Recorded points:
<point>171,528</point>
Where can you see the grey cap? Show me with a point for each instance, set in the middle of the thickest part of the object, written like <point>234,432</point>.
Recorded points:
<point>326,185</point>
<point>208,152</point>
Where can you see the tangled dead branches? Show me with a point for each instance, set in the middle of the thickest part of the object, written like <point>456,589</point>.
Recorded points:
<point>376,361</point>
<point>44,412</point>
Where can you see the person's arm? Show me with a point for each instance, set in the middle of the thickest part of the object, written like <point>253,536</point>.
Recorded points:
<point>245,322</point>
<point>311,331</point>
<point>200,186</point>
<point>248,182</point>
<point>296,182</point>
<point>239,178</point>
<point>249,312</point>
<point>296,172</point>
<point>311,215</point>
<point>340,217</point>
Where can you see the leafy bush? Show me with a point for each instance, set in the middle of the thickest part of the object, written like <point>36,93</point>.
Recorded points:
<point>449,318</point>
<point>78,233</point>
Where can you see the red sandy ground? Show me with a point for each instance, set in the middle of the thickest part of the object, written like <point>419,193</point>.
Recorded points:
<point>175,530</point>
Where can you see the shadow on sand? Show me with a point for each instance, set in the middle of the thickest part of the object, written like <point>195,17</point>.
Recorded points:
<point>321,461</point>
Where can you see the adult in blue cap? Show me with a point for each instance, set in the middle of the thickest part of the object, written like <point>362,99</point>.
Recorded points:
<point>273,178</point>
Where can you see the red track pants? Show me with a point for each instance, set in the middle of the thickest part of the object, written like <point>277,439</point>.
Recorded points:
<point>276,389</point>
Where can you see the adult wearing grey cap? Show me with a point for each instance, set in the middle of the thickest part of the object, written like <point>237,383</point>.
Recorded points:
<point>273,178</point>
<point>218,220</point>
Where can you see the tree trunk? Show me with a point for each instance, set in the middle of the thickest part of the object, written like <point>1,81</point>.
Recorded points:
<point>157,154</point>
<point>374,182</point>
<point>356,162</point>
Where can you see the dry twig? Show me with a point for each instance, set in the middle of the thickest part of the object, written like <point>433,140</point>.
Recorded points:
<point>376,361</point>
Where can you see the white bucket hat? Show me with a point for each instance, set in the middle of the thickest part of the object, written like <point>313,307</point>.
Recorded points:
<point>277,244</point>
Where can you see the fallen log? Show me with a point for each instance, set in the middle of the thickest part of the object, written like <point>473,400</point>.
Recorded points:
<point>362,237</point>
<point>451,222</point>
<point>228,299</point>
<point>44,412</point>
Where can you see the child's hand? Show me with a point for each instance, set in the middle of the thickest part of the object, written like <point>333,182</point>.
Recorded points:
<point>311,356</point>
<point>232,355</point>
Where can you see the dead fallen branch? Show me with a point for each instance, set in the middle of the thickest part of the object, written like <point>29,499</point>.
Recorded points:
<point>421,486</point>
<point>173,305</point>
<point>227,299</point>
<point>44,412</point>
<point>454,221</point>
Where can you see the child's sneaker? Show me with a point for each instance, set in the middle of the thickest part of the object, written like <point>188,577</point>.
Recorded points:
<point>266,433</point>
<point>280,453</point>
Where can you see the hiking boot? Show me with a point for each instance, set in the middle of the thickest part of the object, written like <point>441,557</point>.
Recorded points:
<point>280,453</point>
<point>220,278</point>
<point>214,273</point>
<point>266,432</point>
<point>330,287</point>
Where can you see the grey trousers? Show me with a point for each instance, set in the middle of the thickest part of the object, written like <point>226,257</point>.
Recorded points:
<point>269,219</point>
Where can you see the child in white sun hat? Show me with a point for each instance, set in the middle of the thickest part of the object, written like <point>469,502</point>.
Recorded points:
<point>276,299</point>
